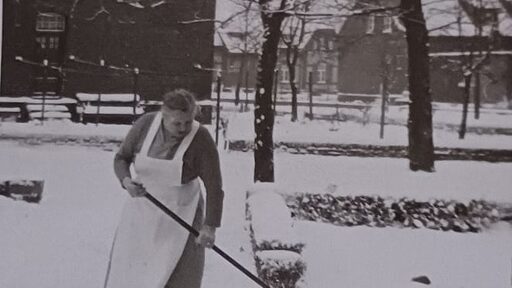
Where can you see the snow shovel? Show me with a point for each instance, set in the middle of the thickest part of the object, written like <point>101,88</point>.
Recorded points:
<point>22,189</point>
<point>196,234</point>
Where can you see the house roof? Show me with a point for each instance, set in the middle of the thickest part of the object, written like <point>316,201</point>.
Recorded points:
<point>453,17</point>
<point>234,15</point>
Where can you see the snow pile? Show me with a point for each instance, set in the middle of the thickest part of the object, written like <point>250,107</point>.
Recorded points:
<point>435,214</point>
<point>275,243</point>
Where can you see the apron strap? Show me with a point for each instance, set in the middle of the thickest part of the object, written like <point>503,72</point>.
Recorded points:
<point>185,143</point>
<point>151,134</point>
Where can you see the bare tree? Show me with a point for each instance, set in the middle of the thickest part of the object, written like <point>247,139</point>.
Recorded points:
<point>293,37</point>
<point>474,55</point>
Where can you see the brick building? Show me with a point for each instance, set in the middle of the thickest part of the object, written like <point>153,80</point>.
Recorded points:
<point>156,37</point>
<point>371,46</point>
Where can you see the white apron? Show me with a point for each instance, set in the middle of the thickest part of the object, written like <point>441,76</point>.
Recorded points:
<point>148,243</point>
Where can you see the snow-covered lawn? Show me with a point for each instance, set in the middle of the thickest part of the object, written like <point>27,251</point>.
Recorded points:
<point>64,240</point>
<point>362,257</point>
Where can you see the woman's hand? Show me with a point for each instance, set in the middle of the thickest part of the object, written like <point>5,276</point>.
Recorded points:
<point>206,236</point>
<point>136,189</point>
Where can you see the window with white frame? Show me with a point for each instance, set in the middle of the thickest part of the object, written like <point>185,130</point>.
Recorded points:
<point>386,25</point>
<point>234,65</point>
<point>50,22</point>
<point>284,75</point>
<point>321,72</point>
<point>331,44</point>
<point>48,42</point>
<point>370,24</point>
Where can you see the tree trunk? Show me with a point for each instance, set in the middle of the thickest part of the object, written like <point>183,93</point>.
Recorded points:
<point>239,80</point>
<point>421,147</point>
<point>293,87</point>
<point>292,54</point>
<point>477,95</point>
<point>263,114</point>
<point>509,83</point>
<point>465,104</point>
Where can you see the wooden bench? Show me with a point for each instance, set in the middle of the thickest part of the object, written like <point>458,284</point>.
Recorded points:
<point>109,108</point>
<point>10,114</point>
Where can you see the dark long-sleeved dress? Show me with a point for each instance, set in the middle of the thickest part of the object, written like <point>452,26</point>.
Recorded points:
<point>200,160</point>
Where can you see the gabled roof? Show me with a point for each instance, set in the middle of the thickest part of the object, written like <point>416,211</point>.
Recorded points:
<point>234,17</point>
<point>234,42</point>
<point>457,17</point>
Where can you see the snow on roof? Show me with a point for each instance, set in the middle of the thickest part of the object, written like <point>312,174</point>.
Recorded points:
<point>234,41</point>
<point>231,33</point>
<point>452,17</point>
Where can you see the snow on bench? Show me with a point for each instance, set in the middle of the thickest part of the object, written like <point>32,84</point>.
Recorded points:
<point>89,97</point>
<point>112,110</point>
<point>9,113</point>
<point>47,108</point>
<point>10,110</point>
<point>50,114</point>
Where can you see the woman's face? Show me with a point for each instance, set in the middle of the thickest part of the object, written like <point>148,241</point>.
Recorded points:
<point>177,122</point>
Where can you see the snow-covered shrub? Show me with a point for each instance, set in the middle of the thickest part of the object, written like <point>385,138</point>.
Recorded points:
<point>275,244</point>
<point>379,212</point>
<point>271,221</point>
<point>280,268</point>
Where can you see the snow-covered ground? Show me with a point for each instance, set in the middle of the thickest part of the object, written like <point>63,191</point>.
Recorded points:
<point>363,257</point>
<point>64,240</point>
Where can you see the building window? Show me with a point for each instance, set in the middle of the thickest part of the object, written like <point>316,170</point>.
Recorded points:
<point>309,70</point>
<point>370,24</point>
<point>321,71</point>
<point>334,76</point>
<point>50,22</point>
<point>51,42</point>
<point>284,75</point>
<point>331,45</point>
<point>234,66</point>
<point>387,28</point>
<point>41,41</point>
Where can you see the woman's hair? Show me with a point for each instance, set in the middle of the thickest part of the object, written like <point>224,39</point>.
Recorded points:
<point>180,99</point>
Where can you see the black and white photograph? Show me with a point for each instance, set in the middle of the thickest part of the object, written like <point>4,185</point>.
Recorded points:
<point>256,143</point>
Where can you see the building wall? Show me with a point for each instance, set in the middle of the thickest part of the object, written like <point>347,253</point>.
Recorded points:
<point>149,39</point>
<point>363,56</point>
<point>231,66</point>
